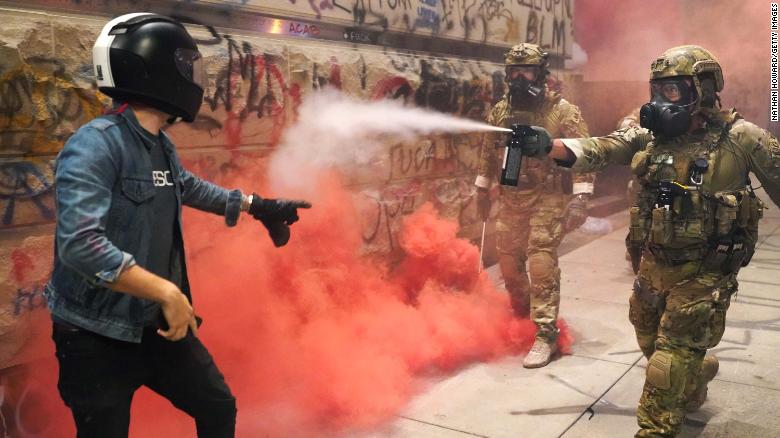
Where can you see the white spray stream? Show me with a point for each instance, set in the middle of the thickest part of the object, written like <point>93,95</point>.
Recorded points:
<point>334,130</point>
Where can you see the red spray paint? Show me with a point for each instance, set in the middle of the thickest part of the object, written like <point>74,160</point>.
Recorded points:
<point>22,263</point>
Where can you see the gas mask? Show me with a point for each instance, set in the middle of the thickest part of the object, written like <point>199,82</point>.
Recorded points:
<point>526,88</point>
<point>668,114</point>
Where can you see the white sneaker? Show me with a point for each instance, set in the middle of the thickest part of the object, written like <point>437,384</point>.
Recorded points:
<point>540,354</point>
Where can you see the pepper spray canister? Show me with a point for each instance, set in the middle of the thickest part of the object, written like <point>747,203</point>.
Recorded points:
<point>513,153</point>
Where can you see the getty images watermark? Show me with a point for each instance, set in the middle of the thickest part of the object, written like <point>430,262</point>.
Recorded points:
<point>773,81</point>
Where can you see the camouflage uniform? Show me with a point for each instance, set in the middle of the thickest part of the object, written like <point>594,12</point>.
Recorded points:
<point>530,222</point>
<point>692,251</point>
<point>630,120</point>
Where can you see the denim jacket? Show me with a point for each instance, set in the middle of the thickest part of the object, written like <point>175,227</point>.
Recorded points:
<point>103,195</point>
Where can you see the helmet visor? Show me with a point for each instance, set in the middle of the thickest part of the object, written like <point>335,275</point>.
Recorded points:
<point>190,64</point>
<point>518,72</point>
<point>678,91</point>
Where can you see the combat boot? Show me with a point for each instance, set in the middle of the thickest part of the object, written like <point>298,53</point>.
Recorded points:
<point>709,368</point>
<point>541,354</point>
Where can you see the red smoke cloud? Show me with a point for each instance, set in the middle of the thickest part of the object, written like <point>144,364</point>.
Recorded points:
<point>316,340</point>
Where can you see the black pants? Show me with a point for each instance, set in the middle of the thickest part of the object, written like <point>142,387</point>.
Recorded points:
<point>99,375</point>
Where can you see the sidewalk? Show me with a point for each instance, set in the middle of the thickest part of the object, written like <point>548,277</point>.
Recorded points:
<point>594,391</point>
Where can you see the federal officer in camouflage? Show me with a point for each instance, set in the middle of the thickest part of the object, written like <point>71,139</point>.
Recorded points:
<point>694,225</point>
<point>533,217</point>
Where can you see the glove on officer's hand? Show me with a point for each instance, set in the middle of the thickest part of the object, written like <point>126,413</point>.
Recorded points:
<point>577,212</point>
<point>539,148</point>
<point>276,215</point>
<point>483,204</point>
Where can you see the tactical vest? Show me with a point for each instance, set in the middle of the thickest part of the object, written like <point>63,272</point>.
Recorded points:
<point>538,173</point>
<point>695,201</point>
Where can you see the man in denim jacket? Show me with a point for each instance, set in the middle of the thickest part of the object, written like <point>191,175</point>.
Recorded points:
<point>119,294</point>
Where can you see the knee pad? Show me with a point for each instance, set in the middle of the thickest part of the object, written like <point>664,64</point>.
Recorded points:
<point>543,270</point>
<point>659,369</point>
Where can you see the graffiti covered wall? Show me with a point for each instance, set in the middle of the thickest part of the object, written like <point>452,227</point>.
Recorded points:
<point>256,84</point>
<point>501,22</point>
<point>46,93</point>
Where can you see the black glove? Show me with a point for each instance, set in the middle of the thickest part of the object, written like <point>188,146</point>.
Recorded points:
<point>276,215</point>
<point>535,140</point>
<point>576,212</point>
<point>541,147</point>
<point>483,204</point>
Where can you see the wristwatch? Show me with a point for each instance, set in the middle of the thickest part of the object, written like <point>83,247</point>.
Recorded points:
<point>246,202</point>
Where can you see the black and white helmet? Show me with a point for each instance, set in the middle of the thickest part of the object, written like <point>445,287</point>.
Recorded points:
<point>152,59</point>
